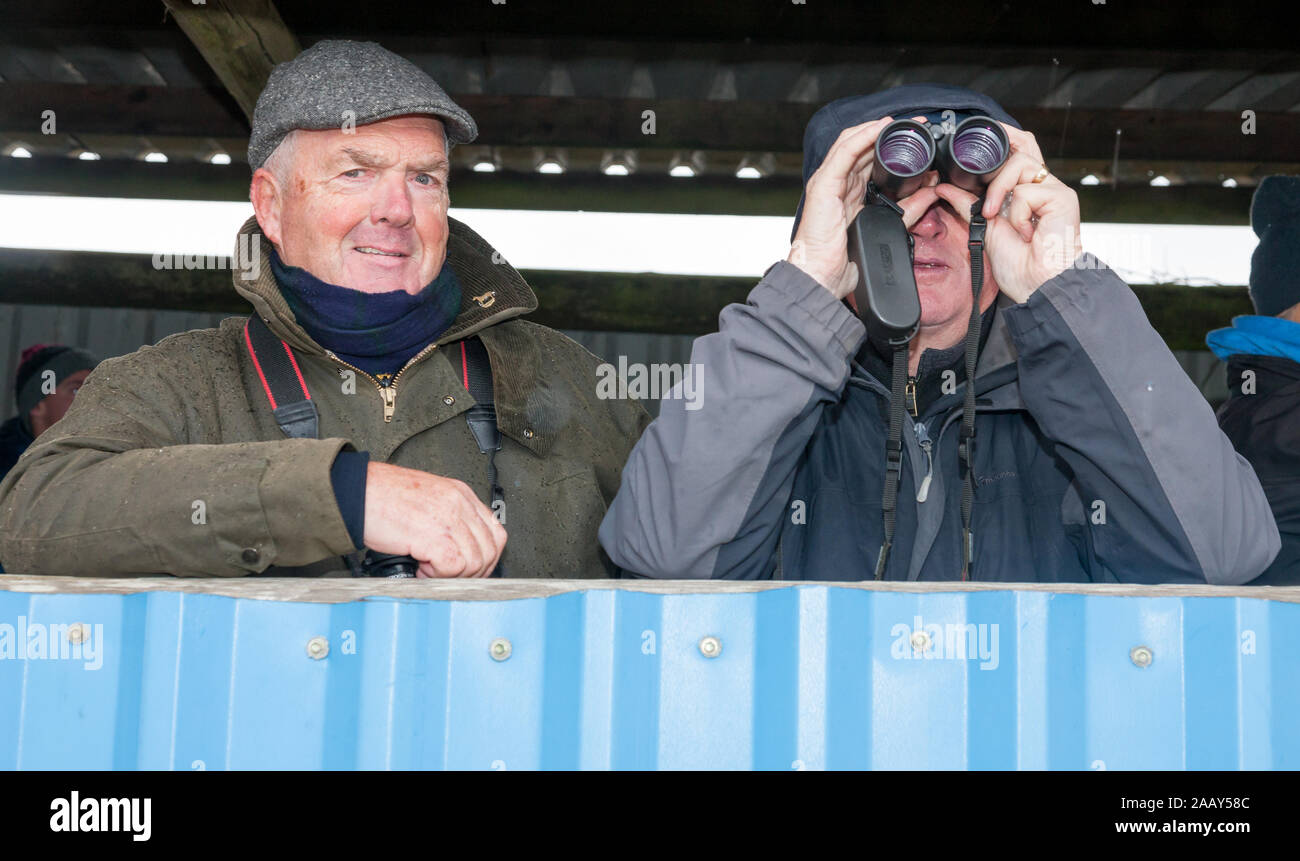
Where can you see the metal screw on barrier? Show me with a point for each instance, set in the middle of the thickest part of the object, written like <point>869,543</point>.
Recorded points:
<point>1142,656</point>
<point>500,649</point>
<point>78,633</point>
<point>317,648</point>
<point>710,647</point>
<point>920,641</point>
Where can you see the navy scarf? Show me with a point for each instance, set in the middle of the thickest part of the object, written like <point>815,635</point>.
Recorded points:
<point>377,332</point>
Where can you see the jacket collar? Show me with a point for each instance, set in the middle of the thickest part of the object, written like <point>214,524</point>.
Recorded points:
<point>493,290</point>
<point>995,369</point>
<point>999,350</point>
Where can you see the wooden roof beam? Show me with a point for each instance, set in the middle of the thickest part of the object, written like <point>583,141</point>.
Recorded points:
<point>242,40</point>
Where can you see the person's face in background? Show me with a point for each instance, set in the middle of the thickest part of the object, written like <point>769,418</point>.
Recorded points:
<point>53,406</point>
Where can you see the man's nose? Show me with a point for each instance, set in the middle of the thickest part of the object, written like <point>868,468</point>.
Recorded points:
<point>392,204</point>
<point>930,225</point>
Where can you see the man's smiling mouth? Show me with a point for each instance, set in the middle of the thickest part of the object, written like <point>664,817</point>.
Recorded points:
<point>366,249</point>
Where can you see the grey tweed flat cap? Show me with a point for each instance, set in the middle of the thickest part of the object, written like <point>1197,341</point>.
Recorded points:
<point>315,90</point>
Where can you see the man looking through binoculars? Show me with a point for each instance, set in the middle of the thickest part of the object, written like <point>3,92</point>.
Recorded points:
<point>1036,239</point>
<point>1083,452</point>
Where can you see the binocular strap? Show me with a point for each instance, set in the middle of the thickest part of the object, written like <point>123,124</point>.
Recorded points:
<point>476,374</point>
<point>966,446</point>
<point>893,456</point>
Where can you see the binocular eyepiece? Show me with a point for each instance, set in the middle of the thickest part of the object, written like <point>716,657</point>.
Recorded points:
<point>966,155</point>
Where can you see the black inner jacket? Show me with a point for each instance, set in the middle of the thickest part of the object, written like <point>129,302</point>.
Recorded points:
<point>1264,427</point>
<point>878,360</point>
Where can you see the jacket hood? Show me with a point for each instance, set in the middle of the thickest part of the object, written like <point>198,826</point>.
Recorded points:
<point>493,290</point>
<point>908,100</point>
<point>1254,335</point>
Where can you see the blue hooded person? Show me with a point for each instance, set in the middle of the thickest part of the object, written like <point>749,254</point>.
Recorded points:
<point>1262,352</point>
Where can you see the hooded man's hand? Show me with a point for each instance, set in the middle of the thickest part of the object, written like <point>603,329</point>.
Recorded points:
<point>833,197</point>
<point>1033,227</point>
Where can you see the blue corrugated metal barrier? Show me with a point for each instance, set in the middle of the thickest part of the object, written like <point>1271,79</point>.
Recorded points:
<point>627,676</point>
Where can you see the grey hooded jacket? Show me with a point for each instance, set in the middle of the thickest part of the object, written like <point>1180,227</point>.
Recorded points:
<point>1096,457</point>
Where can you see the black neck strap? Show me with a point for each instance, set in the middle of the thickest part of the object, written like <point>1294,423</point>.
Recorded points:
<point>286,390</point>
<point>893,455</point>
<point>482,417</point>
<point>966,445</point>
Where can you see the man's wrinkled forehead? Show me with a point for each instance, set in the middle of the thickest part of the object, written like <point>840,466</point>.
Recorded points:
<point>383,144</point>
<point>379,158</point>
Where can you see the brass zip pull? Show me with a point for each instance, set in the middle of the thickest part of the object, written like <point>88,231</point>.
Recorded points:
<point>389,392</point>
<point>910,396</point>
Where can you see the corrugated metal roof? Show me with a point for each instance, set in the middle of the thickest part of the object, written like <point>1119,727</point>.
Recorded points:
<point>808,676</point>
<point>147,75</point>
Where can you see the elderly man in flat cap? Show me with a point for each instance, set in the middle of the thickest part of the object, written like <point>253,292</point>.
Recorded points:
<point>385,411</point>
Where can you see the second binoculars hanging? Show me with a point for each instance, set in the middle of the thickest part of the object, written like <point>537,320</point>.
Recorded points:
<point>967,153</point>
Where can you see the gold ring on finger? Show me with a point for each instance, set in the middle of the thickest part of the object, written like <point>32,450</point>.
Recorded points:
<point>1043,173</point>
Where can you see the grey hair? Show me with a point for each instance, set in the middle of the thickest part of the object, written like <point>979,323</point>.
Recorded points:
<point>280,160</point>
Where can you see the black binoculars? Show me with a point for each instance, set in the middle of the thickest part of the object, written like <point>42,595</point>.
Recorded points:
<point>395,567</point>
<point>967,153</point>
<point>389,565</point>
<point>967,150</point>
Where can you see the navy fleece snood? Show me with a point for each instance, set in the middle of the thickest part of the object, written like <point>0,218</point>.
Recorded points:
<point>377,332</point>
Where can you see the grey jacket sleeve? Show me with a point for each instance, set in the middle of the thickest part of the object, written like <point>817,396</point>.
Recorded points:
<point>1166,497</point>
<point>705,489</point>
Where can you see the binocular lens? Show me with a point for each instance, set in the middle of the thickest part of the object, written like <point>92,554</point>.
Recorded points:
<point>966,156</point>
<point>906,151</point>
<point>978,149</point>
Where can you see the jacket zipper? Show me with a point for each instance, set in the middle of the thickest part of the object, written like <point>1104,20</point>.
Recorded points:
<point>910,397</point>
<point>923,437</point>
<point>387,393</point>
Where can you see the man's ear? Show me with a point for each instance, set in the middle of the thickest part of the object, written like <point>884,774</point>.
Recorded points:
<point>267,198</point>
<point>38,416</point>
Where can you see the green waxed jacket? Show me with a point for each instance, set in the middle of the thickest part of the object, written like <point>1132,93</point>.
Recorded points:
<point>170,460</point>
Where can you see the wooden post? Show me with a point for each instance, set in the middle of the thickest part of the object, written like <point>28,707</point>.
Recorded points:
<point>242,40</point>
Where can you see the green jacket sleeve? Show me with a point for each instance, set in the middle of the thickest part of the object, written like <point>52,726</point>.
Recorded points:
<point>135,479</point>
